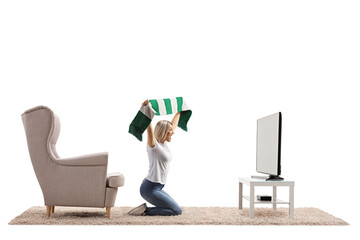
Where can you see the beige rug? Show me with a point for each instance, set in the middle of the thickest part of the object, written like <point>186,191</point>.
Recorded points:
<point>190,216</point>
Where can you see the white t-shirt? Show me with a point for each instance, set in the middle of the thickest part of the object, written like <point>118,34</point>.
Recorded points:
<point>159,161</point>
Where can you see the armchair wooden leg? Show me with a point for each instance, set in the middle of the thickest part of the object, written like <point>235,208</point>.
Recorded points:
<point>108,209</point>
<point>52,209</point>
<point>48,211</point>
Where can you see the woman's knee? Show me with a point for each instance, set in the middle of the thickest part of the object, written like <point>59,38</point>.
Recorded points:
<point>177,211</point>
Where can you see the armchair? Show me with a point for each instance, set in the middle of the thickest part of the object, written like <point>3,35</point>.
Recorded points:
<point>78,181</point>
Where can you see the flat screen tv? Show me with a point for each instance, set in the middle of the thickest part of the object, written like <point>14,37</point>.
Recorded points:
<point>268,146</point>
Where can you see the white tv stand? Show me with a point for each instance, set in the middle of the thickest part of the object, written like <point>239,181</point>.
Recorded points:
<point>252,182</point>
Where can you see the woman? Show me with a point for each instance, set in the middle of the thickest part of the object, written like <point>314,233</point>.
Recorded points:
<point>159,160</point>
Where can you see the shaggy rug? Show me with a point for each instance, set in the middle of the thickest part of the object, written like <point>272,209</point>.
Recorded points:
<point>190,216</point>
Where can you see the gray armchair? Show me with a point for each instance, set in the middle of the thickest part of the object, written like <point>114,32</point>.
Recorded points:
<point>79,181</point>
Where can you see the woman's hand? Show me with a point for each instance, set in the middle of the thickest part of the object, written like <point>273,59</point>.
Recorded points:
<point>145,102</point>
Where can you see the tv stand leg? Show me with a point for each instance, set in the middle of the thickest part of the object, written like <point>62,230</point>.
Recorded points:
<point>240,195</point>
<point>291,201</point>
<point>274,198</point>
<point>251,201</point>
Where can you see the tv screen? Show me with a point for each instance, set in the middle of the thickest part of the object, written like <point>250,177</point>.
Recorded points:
<point>268,146</point>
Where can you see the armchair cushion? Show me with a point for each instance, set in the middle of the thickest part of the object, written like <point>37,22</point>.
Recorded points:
<point>95,159</point>
<point>115,180</point>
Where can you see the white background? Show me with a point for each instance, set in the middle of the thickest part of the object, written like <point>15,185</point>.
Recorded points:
<point>94,62</point>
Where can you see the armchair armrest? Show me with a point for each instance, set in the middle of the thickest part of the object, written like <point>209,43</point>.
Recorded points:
<point>95,159</point>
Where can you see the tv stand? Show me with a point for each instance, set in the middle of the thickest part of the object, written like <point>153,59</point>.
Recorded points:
<point>252,183</point>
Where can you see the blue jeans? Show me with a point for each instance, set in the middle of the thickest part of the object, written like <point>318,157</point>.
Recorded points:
<point>164,204</point>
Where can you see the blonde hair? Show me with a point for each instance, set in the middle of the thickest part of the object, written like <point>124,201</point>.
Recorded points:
<point>161,130</point>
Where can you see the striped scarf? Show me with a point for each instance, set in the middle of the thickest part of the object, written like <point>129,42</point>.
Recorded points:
<point>159,107</point>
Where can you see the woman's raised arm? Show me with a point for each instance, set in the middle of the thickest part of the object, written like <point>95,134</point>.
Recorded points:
<point>150,132</point>
<point>175,121</point>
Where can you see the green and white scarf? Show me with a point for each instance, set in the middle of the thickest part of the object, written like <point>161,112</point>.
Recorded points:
<point>159,107</point>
